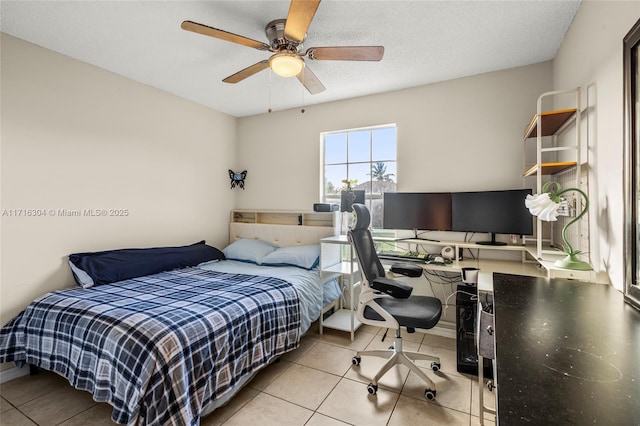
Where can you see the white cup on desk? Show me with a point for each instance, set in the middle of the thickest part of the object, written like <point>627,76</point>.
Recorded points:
<point>470,275</point>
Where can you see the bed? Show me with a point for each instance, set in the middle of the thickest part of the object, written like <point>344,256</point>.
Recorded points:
<point>169,347</point>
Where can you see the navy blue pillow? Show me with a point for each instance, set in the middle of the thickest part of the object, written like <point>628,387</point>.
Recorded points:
<point>104,267</point>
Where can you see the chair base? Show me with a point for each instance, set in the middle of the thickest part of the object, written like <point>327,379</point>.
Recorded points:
<point>397,356</point>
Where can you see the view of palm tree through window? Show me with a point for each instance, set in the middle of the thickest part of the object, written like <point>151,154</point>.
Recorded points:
<point>360,159</point>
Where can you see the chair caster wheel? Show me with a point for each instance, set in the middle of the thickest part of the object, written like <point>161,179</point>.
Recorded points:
<point>435,366</point>
<point>356,360</point>
<point>372,388</point>
<point>430,394</point>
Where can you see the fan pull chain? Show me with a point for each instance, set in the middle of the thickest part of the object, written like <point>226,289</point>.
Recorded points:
<point>303,89</point>
<point>269,110</point>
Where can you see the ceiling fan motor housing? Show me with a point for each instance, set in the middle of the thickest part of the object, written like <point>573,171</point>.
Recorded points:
<point>277,40</point>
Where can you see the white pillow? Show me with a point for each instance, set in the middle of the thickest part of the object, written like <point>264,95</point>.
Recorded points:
<point>306,257</point>
<point>247,250</point>
<point>83,279</point>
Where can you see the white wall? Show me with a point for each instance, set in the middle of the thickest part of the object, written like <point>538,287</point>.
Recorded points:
<point>463,134</point>
<point>78,137</point>
<point>591,57</point>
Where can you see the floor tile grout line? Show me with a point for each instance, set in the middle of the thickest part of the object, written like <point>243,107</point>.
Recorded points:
<point>395,405</point>
<point>27,416</point>
<point>41,395</point>
<point>239,408</point>
<point>320,404</point>
<point>325,398</point>
<point>87,409</point>
<point>8,402</point>
<point>342,377</point>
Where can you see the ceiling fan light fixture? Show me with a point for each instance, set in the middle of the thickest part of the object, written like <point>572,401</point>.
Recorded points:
<point>286,64</point>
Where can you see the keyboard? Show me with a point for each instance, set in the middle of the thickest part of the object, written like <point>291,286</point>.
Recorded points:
<point>411,256</point>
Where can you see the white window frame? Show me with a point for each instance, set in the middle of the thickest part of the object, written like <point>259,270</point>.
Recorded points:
<point>369,196</point>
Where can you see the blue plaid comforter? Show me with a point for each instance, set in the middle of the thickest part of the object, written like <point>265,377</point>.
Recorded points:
<point>158,348</point>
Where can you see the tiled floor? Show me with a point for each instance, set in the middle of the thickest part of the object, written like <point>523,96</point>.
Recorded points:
<point>315,385</point>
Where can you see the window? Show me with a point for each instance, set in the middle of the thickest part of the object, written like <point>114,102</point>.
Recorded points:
<point>366,159</point>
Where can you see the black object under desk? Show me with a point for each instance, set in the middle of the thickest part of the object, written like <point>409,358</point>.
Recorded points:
<point>466,332</point>
<point>567,353</point>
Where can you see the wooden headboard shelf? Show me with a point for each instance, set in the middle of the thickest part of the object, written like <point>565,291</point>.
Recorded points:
<point>283,227</point>
<point>286,217</point>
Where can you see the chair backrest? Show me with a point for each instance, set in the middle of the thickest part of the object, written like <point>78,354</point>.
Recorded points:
<point>362,241</point>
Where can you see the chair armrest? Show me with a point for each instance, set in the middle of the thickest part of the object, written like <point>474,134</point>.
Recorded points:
<point>391,287</point>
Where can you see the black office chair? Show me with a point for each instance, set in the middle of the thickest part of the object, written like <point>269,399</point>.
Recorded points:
<point>388,303</point>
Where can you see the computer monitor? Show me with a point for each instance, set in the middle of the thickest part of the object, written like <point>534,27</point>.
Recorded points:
<point>425,211</point>
<point>494,212</point>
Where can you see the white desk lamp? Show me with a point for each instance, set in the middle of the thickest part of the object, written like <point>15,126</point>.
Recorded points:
<point>545,207</point>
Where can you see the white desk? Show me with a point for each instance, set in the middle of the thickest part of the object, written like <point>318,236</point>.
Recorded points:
<point>492,265</point>
<point>538,267</point>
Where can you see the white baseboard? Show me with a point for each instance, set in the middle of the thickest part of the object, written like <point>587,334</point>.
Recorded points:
<point>13,373</point>
<point>443,329</point>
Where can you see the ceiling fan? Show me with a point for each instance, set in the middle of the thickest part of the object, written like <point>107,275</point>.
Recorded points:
<point>285,41</point>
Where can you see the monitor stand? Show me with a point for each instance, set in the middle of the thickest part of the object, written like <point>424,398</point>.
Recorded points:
<point>415,237</point>
<point>493,241</point>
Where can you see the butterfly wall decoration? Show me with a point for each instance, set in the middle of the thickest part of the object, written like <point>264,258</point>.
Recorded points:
<point>237,179</point>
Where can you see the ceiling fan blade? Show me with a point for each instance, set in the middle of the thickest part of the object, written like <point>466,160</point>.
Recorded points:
<point>346,53</point>
<point>299,18</point>
<point>247,72</point>
<point>223,35</point>
<point>310,81</point>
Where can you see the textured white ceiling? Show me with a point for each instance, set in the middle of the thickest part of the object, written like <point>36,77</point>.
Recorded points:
<point>425,42</point>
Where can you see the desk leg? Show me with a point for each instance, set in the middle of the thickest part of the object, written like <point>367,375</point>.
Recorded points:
<point>486,346</point>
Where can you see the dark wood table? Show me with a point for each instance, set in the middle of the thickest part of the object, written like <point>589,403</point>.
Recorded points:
<point>567,353</point>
